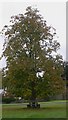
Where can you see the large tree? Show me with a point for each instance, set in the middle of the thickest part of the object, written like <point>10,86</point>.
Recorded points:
<point>33,70</point>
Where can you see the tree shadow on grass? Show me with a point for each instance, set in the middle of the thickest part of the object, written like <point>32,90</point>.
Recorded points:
<point>34,109</point>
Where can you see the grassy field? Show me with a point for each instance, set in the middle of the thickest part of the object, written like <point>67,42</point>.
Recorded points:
<point>0,111</point>
<point>51,109</point>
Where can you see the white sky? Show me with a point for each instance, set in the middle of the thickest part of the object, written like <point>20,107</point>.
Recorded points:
<point>53,12</point>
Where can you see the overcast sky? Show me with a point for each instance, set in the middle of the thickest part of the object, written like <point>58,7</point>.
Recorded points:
<point>53,12</point>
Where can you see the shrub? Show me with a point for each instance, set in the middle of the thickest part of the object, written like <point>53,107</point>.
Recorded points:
<point>8,100</point>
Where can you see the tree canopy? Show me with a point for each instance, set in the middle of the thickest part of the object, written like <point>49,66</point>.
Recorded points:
<point>33,67</point>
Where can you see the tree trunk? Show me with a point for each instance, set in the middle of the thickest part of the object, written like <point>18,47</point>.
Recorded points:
<point>33,103</point>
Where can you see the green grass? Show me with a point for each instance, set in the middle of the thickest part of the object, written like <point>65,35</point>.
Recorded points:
<point>52,109</point>
<point>0,111</point>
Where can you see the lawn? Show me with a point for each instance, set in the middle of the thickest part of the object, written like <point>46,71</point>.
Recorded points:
<point>51,109</point>
<point>0,110</point>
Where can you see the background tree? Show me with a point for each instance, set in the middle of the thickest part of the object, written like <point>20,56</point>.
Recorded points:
<point>29,51</point>
<point>66,70</point>
<point>65,77</point>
